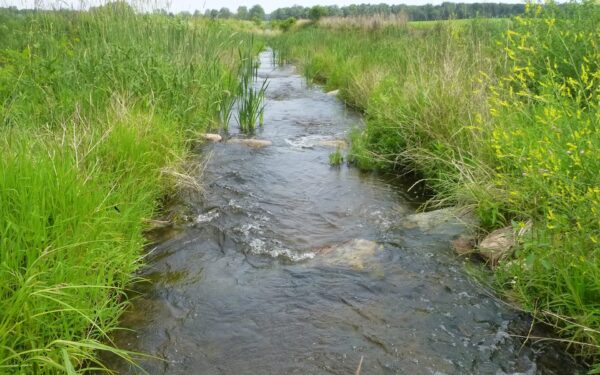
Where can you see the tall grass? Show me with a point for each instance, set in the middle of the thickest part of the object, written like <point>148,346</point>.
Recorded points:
<point>502,116</point>
<point>250,96</point>
<point>370,22</point>
<point>418,88</point>
<point>95,107</point>
<point>545,114</point>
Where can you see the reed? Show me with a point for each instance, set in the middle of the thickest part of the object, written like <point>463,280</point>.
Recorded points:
<point>336,158</point>
<point>251,94</point>
<point>371,22</point>
<point>95,108</point>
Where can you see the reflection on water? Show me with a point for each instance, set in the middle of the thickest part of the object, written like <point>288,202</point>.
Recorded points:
<point>291,266</point>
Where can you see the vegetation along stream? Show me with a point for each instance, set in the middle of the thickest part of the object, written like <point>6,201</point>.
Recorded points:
<point>292,266</point>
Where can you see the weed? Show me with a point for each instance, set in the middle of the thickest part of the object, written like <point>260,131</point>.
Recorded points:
<point>336,158</point>
<point>250,97</point>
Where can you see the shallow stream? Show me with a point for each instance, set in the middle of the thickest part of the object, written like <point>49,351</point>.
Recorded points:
<point>292,266</point>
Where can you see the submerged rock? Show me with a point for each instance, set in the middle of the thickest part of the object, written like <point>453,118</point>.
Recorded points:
<point>337,143</point>
<point>464,244</point>
<point>251,142</point>
<point>447,221</point>
<point>354,253</point>
<point>211,137</point>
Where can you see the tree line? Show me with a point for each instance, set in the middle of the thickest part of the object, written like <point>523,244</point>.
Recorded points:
<point>426,12</point>
<point>255,13</point>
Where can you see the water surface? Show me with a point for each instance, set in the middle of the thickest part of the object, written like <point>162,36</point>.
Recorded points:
<point>295,267</point>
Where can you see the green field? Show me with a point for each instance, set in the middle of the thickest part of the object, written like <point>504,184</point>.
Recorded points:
<point>501,116</point>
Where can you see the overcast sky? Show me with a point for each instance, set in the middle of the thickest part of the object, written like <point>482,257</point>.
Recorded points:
<point>192,5</point>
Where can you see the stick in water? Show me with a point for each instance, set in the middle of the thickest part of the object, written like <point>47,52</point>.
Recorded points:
<point>359,366</point>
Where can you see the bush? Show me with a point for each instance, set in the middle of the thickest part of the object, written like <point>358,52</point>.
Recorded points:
<point>546,135</point>
<point>316,12</point>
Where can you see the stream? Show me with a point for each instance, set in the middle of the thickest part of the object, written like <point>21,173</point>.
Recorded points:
<point>292,266</point>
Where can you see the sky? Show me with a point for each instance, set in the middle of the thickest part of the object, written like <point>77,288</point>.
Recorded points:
<point>201,5</point>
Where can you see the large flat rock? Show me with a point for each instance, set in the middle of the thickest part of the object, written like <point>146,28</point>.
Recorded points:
<point>356,254</point>
<point>447,221</point>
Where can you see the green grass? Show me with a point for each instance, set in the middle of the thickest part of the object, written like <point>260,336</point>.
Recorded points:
<point>250,98</point>
<point>96,107</point>
<point>72,211</point>
<point>501,116</point>
<point>336,158</point>
<point>95,110</point>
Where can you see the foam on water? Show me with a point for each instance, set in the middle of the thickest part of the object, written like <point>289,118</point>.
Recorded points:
<point>259,247</point>
<point>309,141</point>
<point>207,217</point>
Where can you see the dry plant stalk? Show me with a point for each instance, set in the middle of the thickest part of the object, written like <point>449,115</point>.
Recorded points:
<point>359,365</point>
<point>372,22</point>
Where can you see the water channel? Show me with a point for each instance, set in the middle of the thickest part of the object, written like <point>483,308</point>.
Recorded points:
<point>291,266</point>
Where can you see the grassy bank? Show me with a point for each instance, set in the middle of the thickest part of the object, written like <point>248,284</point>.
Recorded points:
<point>502,116</point>
<point>95,110</point>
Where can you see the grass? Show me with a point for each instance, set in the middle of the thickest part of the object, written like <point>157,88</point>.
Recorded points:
<point>336,158</point>
<point>456,22</point>
<point>250,98</point>
<point>371,22</point>
<point>95,110</point>
<point>499,115</point>
<point>96,107</point>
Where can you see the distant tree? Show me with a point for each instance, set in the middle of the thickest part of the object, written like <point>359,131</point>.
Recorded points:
<point>287,24</point>
<point>185,14</point>
<point>445,10</point>
<point>116,7</point>
<point>242,13</point>
<point>161,12</point>
<point>211,13</point>
<point>317,12</point>
<point>256,13</point>
<point>279,14</point>
<point>334,10</point>
<point>225,13</point>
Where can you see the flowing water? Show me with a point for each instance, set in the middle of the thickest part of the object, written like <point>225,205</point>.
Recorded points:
<point>292,266</point>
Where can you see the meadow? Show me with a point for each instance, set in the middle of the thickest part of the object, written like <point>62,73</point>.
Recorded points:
<point>96,110</point>
<point>498,115</point>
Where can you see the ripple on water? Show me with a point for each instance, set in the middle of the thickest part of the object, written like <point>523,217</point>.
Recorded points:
<point>311,141</point>
<point>207,217</point>
<point>260,247</point>
<point>294,267</point>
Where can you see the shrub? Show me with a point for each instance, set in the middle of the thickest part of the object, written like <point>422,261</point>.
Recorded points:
<point>546,138</point>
